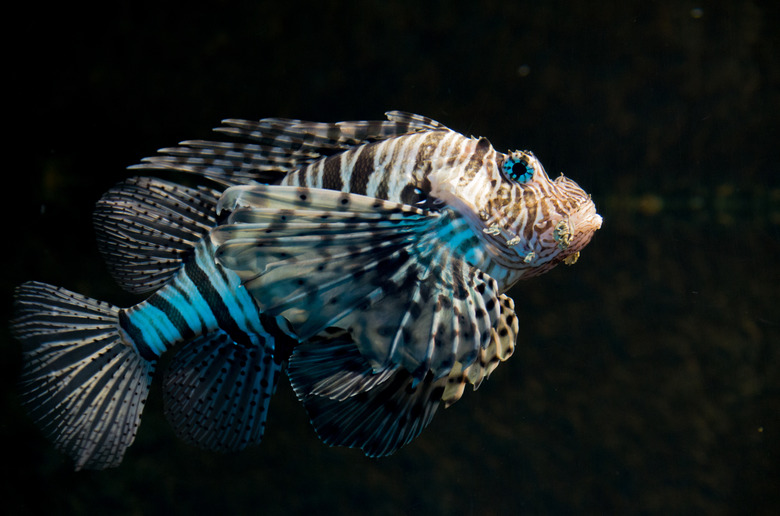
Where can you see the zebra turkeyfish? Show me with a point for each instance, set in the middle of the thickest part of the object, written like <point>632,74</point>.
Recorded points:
<point>369,259</point>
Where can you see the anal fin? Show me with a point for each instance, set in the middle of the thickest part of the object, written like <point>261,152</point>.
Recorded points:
<point>216,393</point>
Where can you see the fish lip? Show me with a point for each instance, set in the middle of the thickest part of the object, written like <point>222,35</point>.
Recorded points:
<point>584,216</point>
<point>584,222</point>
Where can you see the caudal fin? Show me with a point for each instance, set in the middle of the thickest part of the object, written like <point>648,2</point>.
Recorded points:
<point>81,382</point>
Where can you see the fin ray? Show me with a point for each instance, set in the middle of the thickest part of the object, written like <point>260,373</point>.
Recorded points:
<point>84,387</point>
<point>146,228</point>
<point>376,268</point>
<point>279,146</point>
<point>382,411</point>
<point>216,393</point>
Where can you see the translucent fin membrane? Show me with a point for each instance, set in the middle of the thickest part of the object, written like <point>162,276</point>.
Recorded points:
<point>376,412</point>
<point>379,269</point>
<point>147,227</point>
<point>82,384</point>
<point>216,393</point>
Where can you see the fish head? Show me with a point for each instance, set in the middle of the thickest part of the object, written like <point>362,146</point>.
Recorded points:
<point>531,223</point>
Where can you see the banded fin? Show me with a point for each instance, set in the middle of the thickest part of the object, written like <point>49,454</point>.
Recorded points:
<point>383,412</point>
<point>502,345</point>
<point>441,314</point>
<point>146,228</point>
<point>415,121</point>
<point>82,384</point>
<point>229,163</point>
<point>326,138</point>
<point>216,393</point>
<point>280,146</point>
<point>322,258</point>
<point>330,366</point>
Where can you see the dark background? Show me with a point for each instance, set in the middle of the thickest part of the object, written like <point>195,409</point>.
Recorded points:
<point>646,378</point>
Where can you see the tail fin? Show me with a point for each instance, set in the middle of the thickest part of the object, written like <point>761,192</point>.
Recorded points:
<point>82,383</point>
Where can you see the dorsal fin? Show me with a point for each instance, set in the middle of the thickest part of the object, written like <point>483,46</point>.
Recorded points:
<point>279,146</point>
<point>146,227</point>
<point>416,122</point>
<point>326,138</point>
<point>229,163</point>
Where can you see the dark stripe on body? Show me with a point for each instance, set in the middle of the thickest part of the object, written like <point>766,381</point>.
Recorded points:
<point>531,204</point>
<point>331,175</point>
<point>174,315</point>
<point>422,161</point>
<point>224,319</point>
<point>382,188</point>
<point>137,337</point>
<point>416,194</point>
<point>477,158</point>
<point>361,171</point>
<point>186,296</point>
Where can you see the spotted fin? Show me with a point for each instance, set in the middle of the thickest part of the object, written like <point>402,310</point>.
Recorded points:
<point>376,412</point>
<point>502,345</point>
<point>146,228</point>
<point>379,269</point>
<point>216,393</point>
<point>278,146</point>
<point>81,382</point>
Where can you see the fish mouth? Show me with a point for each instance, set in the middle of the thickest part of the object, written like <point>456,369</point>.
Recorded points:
<point>575,231</point>
<point>586,220</point>
<point>568,236</point>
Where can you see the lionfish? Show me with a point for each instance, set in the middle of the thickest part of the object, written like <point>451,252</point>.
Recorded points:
<point>369,260</point>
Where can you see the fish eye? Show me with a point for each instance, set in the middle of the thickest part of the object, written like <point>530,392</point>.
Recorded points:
<point>517,169</point>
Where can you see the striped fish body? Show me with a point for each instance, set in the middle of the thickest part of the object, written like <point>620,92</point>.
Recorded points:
<point>200,299</point>
<point>218,387</point>
<point>375,266</point>
<point>393,169</point>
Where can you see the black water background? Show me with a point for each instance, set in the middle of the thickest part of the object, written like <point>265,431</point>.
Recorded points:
<point>646,377</point>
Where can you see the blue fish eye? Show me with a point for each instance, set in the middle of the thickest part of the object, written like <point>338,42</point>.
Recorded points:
<point>518,170</point>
